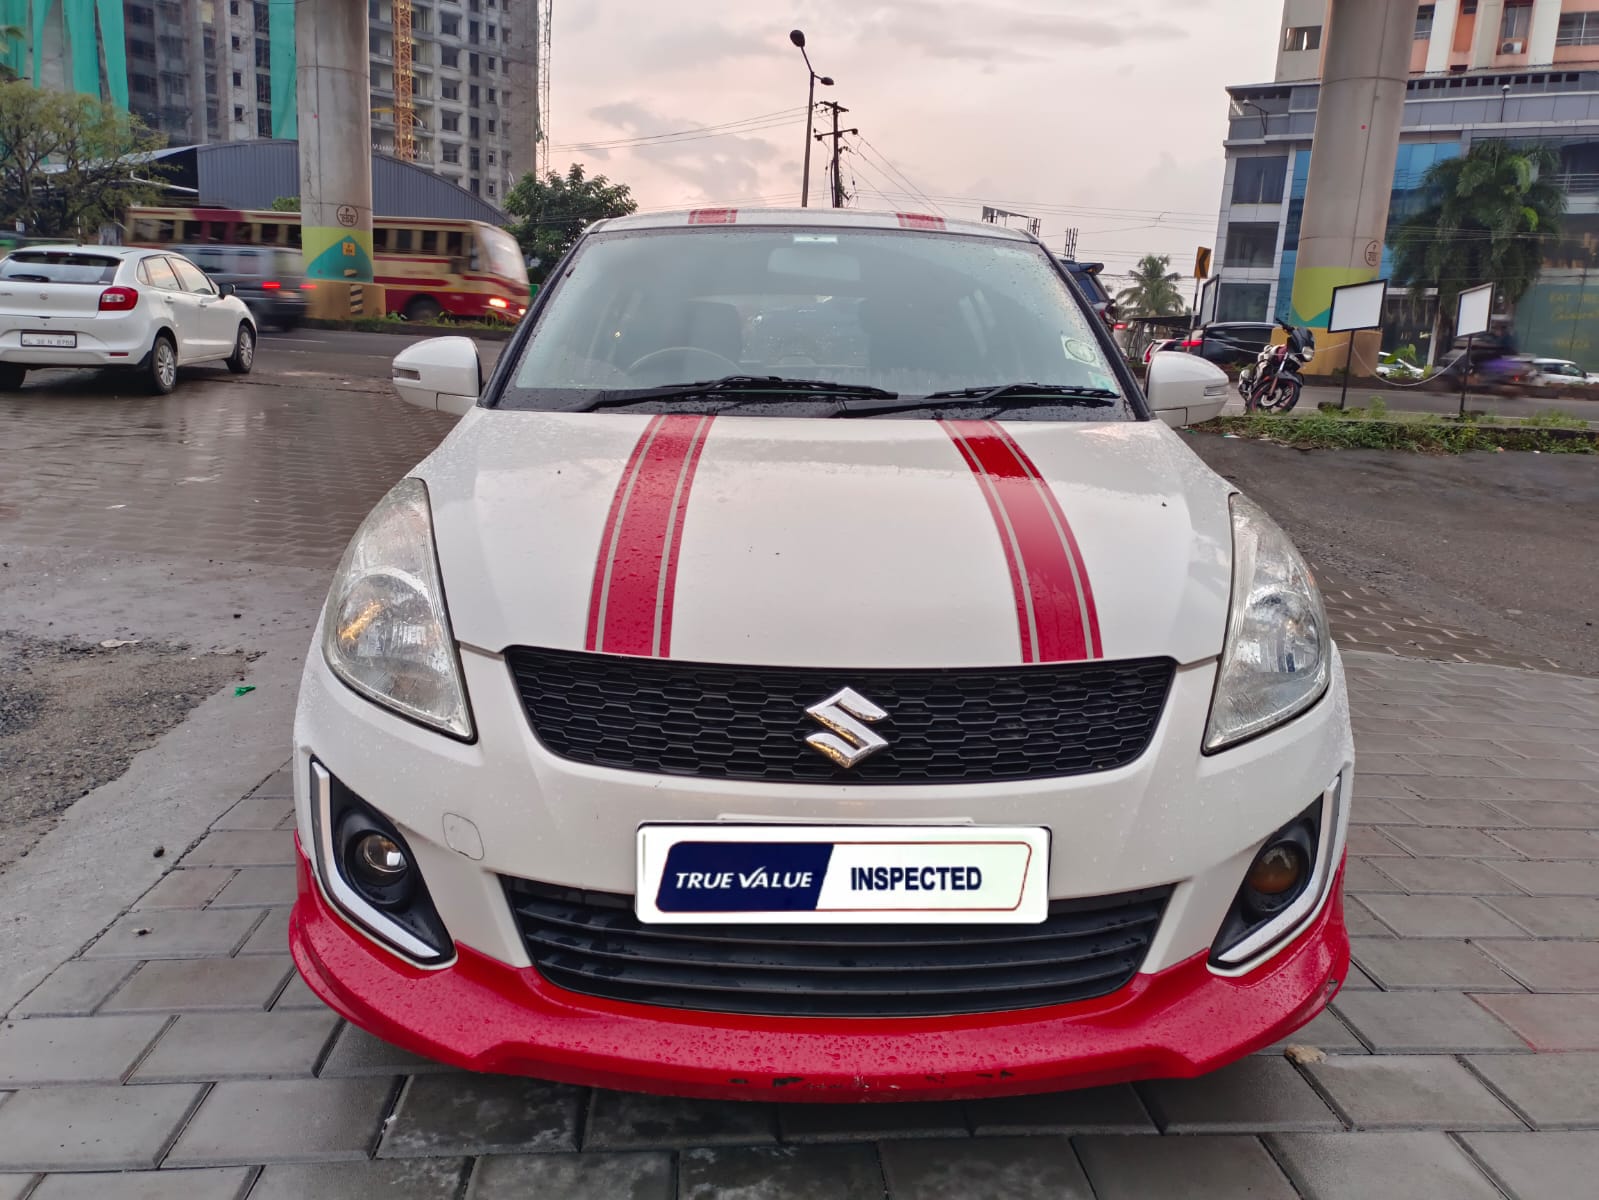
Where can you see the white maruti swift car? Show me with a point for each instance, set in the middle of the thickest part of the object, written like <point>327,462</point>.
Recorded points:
<point>813,669</point>
<point>144,311</point>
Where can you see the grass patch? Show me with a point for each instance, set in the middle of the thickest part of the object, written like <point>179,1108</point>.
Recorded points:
<point>390,323</point>
<point>1430,434</point>
<point>1554,419</point>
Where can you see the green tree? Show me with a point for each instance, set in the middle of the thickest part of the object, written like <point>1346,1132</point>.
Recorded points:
<point>1153,291</point>
<point>70,164</point>
<point>286,204</point>
<point>1487,216</point>
<point>552,212</point>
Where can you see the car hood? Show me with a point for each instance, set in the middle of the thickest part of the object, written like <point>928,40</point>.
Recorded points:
<point>811,542</point>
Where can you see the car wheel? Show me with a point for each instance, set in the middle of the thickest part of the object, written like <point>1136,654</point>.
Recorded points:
<point>243,356</point>
<point>11,377</point>
<point>423,308</point>
<point>161,368</point>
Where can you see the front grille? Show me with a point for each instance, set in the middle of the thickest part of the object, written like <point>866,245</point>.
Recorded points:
<point>943,726</point>
<point>592,943</point>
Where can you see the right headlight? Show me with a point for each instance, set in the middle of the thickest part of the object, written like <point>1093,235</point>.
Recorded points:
<point>1277,657</point>
<point>385,631</point>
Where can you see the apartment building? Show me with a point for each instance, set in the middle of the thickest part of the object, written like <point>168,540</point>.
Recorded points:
<point>205,71</point>
<point>1480,69</point>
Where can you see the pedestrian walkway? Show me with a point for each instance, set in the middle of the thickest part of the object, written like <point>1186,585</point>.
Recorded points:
<point>179,1050</point>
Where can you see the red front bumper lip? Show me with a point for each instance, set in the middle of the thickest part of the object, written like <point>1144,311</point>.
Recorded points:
<point>482,1015</point>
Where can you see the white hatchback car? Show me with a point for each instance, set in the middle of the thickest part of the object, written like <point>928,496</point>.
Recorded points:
<point>814,670</point>
<point>111,306</point>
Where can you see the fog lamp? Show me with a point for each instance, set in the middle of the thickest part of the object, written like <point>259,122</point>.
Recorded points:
<point>377,860</point>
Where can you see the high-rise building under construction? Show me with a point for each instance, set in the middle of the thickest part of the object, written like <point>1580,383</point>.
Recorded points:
<point>473,110</point>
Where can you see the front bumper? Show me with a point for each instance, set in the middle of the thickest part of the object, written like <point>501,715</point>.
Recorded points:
<point>1173,818</point>
<point>483,1015</point>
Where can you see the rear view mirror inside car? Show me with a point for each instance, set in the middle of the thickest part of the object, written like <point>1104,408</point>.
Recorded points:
<point>814,262</point>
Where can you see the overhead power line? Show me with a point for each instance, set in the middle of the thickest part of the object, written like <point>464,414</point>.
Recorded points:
<point>897,173</point>
<point>771,120</point>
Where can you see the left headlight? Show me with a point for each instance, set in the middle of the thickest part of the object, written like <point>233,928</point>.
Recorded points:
<point>1278,654</point>
<point>385,631</point>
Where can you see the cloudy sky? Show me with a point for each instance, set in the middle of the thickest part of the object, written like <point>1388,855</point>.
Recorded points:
<point>1104,117</point>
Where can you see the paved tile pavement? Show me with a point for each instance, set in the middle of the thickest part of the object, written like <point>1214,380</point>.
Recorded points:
<point>180,1050</point>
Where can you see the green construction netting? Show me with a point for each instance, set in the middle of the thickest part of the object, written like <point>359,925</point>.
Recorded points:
<point>85,44</point>
<point>116,51</point>
<point>14,54</point>
<point>285,104</point>
<point>82,46</point>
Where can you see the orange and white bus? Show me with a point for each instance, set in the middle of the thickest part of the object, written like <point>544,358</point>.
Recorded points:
<point>428,267</point>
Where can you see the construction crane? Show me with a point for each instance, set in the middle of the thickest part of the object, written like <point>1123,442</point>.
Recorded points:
<point>542,143</point>
<point>404,105</point>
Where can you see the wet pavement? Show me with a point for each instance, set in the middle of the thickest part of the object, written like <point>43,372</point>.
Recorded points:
<point>157,1041</point>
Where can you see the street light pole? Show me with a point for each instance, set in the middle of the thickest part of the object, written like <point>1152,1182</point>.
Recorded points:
<point>798,38</point>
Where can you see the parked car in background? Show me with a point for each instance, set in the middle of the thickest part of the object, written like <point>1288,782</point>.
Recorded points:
<point>1159,344</point>
<point>116,306</point>
<point>1391,366</point>
<point>1086,276</point>
<point>1232,343</point>
<point>1561,372</point>
<point>269,279</point>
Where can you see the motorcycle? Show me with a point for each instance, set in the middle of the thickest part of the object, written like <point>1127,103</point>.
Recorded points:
<point>1272,383</point>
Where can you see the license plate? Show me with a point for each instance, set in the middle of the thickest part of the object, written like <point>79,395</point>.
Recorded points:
<point>842,874</point>
<point>59,341</point>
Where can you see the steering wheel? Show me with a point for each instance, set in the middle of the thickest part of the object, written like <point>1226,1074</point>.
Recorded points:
<point>720,365</point>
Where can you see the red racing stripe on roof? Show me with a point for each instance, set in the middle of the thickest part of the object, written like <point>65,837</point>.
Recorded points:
<point>1056,617</point>
<point>635,576</point>
<point>919,221</point>
<point>712,216</point>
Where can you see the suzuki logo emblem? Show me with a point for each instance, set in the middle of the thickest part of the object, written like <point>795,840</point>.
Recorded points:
<point>850,741</point>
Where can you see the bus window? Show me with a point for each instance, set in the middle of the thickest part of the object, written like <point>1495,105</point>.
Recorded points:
<point>452,245</point>
<point>194,231</point>
<point>402,241</point>
<point>380,240</point>
<point>475,261</point>
<point>166,232</point>
<point>294,235</point>
<point>430,241</point>
<point>270,232</point>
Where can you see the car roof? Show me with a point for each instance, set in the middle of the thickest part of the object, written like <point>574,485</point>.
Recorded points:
<point>85,248</point>
<point>852,218</point>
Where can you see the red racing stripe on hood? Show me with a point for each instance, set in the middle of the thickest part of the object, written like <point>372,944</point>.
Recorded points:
<point>1055,611</point>
<point>635,575</point>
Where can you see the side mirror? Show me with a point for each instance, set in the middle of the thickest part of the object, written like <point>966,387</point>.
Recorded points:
<point>442,374</point>
<point>226,289</point>
<point>1185,389</point>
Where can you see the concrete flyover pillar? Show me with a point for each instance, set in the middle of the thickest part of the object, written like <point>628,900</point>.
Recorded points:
<point>1358,117</point>
<point>334,92</point>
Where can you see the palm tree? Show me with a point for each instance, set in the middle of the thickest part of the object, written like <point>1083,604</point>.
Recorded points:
<point>1153,292</point>
<point>1487,216</point>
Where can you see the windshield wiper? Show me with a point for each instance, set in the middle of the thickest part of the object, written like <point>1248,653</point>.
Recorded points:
<point>735,384</point>
<point>1061,394</point>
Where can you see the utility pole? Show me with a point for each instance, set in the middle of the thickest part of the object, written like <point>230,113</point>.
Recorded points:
<point>836,135</point>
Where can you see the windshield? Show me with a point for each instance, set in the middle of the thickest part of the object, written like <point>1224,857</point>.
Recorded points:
<point>42,266</point>
<point>505,255</point>
<point>910,313</point>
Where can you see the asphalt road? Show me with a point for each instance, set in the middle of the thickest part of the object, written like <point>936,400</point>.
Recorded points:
<point>1582,403</point>
<point>1504,544</point>
<point>339,353</point>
